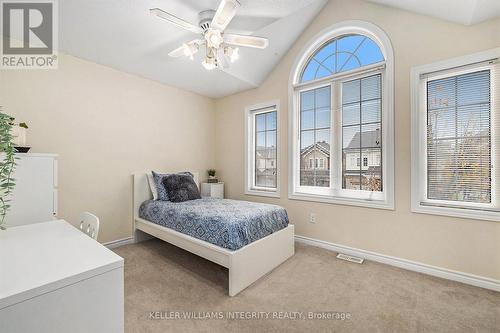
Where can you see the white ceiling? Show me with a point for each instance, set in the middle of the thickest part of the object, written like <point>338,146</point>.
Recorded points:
<point>123,35</point>
<point>466,12</point>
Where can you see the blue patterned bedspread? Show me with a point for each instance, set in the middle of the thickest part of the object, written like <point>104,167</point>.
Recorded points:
<point>230,224</point>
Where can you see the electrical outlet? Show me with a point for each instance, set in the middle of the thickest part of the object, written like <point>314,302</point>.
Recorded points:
<point>312,218</point>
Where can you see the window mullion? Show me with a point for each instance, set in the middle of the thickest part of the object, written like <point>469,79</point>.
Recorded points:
<point>360,138</point>
<point>336,135</point>
<point>255,150</point>
<point>314,137</point>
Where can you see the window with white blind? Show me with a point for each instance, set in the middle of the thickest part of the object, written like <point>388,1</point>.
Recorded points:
<point>341,119</point>
<point>362,133</point>
<point>455,134</point>
<point>262,156</point>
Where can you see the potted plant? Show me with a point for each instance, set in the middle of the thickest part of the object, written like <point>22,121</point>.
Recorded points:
<point>19,136</point>
<point>7,165</point>
<point>211,176</point>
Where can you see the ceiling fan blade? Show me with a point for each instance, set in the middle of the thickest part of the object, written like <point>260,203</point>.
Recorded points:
<point>186,49</point>
<point>175,20</point>
<point>247,25</point>
<point>178,52</point>
<point>248,41</point>
<point>224,14</point>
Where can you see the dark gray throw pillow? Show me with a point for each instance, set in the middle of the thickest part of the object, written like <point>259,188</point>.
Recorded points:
<point>181,188</point>
<point>158,180</point>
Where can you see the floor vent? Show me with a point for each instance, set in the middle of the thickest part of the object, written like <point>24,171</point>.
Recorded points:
<point>350,258</point>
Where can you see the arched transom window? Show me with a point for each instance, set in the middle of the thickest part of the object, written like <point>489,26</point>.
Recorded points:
<point>341,97</point>
<point>340,55</point>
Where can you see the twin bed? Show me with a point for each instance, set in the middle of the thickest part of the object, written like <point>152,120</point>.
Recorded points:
<point>248,238</point>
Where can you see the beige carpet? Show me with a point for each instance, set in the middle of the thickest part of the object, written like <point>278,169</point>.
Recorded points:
<point>377,298</point>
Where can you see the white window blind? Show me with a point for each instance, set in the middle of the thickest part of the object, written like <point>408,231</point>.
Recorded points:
<point>461,111</point>
<point>362,132</point>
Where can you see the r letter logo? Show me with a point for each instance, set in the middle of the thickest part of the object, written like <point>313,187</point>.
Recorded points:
<point>29,34</point>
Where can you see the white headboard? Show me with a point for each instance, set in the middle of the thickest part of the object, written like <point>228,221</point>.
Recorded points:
<point>142,192</point>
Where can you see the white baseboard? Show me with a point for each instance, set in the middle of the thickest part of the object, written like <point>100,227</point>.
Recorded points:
<point>478,281</point>
<point>119,242</point>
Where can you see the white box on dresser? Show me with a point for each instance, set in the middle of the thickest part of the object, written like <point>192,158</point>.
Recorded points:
<point>34,198</point>
<point>54,278</point>
<point>213,190</point>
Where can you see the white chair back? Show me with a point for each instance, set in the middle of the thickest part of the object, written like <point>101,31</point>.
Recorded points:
<point>89,224</point>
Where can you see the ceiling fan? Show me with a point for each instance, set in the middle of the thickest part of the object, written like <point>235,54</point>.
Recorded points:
<point>221,48</point>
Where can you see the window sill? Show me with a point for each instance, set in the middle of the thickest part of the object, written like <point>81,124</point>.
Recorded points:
<point>457,212</point>
<point>378,204</point>
<point>271,194</point>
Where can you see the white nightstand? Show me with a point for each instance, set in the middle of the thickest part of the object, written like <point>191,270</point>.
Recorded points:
<point>212,190</point>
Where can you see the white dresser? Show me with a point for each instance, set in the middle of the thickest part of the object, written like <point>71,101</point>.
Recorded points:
<point>54,278</point>
<point>34,198</point>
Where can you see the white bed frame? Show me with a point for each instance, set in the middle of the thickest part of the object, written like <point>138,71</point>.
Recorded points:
<point>246,265</point>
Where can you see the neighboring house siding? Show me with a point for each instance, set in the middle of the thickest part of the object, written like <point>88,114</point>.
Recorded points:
<point>320,160</point>
<point>362,162</point>
<point>265,165</point>
<point>315,165</point>
<point>373,157</point>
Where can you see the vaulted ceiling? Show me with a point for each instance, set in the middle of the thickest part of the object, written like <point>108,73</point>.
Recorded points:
<point>122,34</point>
<point>466,12</point>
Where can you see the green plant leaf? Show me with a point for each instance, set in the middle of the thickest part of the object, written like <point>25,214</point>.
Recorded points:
<point>8,164</point>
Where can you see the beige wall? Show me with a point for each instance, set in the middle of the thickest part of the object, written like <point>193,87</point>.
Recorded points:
<point>471,246</point>
<point>106,124</point>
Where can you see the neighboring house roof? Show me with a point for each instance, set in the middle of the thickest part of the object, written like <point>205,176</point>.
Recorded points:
<point>322,147</point>
<point>370,139</point>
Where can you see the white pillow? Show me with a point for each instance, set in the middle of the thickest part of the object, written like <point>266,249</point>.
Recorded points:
<point>152,186</point>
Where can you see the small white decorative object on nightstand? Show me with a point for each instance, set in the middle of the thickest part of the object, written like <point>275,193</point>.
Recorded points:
<point>212,190</point>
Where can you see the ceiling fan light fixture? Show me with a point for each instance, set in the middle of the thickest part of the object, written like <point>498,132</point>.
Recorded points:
<point>209,63</point>
<point>214,38</point>
<point>187,50</point>
<point>221,48</point>
<point>190,50</point>
<point>232,53</point>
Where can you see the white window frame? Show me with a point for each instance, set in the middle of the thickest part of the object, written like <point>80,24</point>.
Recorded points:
<point>419,201</point>
<point>250,112</point>
<point>335,194</point>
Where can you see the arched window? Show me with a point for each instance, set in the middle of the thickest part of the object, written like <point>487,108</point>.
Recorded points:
<point>341,97</point>
<point>342,54</point>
